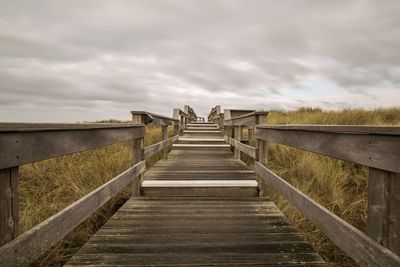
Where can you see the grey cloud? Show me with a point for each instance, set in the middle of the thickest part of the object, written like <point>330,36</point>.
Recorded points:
<point>122,55</point>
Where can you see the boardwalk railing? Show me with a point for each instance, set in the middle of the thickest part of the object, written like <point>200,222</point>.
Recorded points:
<point>22,143</point>
<point>375,147</point>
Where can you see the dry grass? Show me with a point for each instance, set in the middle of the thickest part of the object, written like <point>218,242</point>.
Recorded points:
<point>339,186</point>
<point>48,186</point>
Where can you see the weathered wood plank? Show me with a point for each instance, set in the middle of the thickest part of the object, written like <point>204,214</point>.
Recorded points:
<point>18,148</point>
<point>153,149</point>
<point>201,235</point>
<point>248,119</point>
<point>373,150</point>
<point>383,208</point>
<point>9,204</point>
<point>352,241</point>
<point>152,119</point>
<point>34,242</point>
<point>30,127</point>
<point>350,129</point>
<point>248,150</point>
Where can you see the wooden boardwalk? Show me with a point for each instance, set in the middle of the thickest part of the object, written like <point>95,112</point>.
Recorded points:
<point>198,208</point>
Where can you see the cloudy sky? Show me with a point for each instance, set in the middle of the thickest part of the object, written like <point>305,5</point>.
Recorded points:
<point>65,61</point>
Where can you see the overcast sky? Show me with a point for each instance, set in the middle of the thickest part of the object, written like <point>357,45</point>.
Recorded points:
<point>65,61</point>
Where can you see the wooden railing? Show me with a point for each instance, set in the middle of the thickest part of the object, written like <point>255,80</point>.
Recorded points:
<point>215,116</point>
<point>372,146</point>
<point>26,143</point>
<point>192,117</point>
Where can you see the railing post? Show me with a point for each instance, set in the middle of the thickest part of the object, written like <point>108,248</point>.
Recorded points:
<point>164,133</point>
<point>9,204</point>
<point>237,132</point>
<point>383,208</point>
<point>261,151</point>
<point>138,154</point>
<point>177,116</point>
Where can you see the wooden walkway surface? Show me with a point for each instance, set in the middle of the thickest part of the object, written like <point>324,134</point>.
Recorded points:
<point>199,208</point>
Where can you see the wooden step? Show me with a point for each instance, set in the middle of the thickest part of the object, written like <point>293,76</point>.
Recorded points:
<point>202,129</point>
<point>202,125</point>
<point>201,146</point>
<point>200,188</point>
<point>197,231</point>
<point>183,140</point>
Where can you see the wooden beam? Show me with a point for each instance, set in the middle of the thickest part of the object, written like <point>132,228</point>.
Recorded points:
<point>383,208</point>
<point>248,150</point>
<point>137,156</point>
<point>237,133</point>
<point>22,147</point>
<point>375,150</point>
<point>357,245</point>
<point>33,243</point>
<point>261,152</point>
<point>152,119</point>
<point>155,148</point>
<point>248,119</point>
<point>9,204</point>
<point>164,133</point>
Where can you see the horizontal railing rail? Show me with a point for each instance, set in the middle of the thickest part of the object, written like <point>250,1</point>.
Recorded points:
<point>22,143</point>
<point>248,150</point>
<point>152,119</point>
<point>26,143</point>
<point>160,146</point>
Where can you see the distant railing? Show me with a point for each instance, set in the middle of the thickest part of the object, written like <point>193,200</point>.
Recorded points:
<point>22,143</point>
<point>377,147</point>
<point>215,116</point>
<point>192,117</point>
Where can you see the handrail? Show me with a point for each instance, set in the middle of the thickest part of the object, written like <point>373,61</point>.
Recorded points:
<point>152,119</point>
<point>247,119</point>
<point>24,143</point>
<point>376,147</point>
<point>155,148</point>
<point>248,150</point>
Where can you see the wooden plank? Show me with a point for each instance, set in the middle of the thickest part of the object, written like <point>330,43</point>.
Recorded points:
<point>9,204</point>
<point>18,148</point>
<point>373,150</point>
<point>34,242</point>
<point>151,150</point>
<point>152,119</point>
<point>193,231</point>
<point>350,129</point>
<point>245,120</point>
<point>248,150</point>
<point>352,241</point>
<point>164,134</point>
<point>30,127</point>
<point>383,208</point>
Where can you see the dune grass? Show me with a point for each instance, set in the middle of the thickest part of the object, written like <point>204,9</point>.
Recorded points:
<point>48,186</point>
<point>338,185</point>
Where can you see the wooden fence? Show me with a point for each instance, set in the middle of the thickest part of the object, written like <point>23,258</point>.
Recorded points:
<point>372,146</point>
<point>22,143</point>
